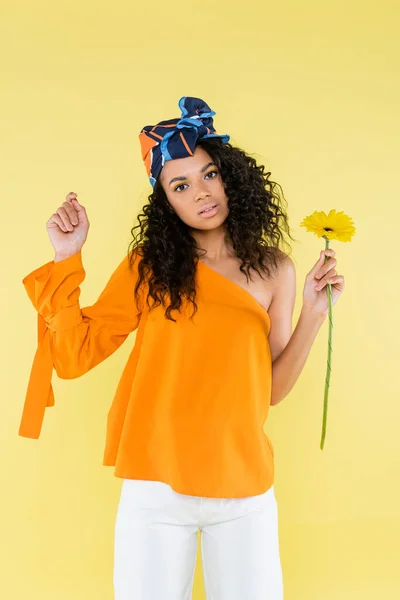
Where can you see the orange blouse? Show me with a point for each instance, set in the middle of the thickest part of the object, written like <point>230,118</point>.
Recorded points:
<point>193,398</point>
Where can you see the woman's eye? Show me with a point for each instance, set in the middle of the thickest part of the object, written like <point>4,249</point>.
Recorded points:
<point>182,184</point>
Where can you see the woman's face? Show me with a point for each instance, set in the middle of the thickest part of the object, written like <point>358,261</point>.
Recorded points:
<point>192,184</point>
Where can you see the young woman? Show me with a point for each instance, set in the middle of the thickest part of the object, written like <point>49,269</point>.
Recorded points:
<point>211,297</point>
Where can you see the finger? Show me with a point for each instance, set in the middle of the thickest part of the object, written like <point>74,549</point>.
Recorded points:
<point>72,199</point>
<point>69,197</point>
<point>326,280</point>
<point>330,264</point>
<point>320,262</point>
<point>338,283</point>
<point>65,218</point>
<point>331,273</point>
<point>70,210</point>
<point>57,219</point>
<point>80,212</point>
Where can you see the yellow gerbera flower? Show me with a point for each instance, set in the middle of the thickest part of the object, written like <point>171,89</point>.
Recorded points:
<point>334,226</point>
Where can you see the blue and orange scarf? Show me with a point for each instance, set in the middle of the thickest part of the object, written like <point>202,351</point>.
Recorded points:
<point>176,138</point>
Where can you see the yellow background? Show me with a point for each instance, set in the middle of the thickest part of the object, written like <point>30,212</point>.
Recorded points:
<point>312,88</point>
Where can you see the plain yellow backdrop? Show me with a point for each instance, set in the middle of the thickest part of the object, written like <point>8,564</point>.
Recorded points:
<point>312,89</point>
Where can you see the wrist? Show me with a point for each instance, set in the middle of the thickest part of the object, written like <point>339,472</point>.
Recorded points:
<point>310,312</point>
<point>59,257</point>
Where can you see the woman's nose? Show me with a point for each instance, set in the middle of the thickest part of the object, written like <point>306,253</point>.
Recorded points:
<point>201,194</point>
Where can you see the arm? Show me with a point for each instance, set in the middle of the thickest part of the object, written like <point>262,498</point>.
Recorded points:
<point>71,339</point>
<point>289,350</point>
<point>81,338</point>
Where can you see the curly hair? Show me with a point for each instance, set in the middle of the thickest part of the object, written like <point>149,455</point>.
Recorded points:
<point>255,226</point>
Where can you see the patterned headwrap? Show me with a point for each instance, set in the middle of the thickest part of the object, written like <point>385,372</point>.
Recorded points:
<point>176,138</point>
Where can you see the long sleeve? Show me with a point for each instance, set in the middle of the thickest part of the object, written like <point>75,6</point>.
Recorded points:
<point>71,339</point>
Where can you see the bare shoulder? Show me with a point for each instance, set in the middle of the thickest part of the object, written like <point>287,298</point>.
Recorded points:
<point>283,282</point>
<point>285,266</point>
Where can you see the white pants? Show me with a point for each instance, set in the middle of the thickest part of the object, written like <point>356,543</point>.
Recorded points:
<point>156,545</point>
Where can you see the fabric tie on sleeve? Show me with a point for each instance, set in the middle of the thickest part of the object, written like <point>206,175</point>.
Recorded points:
<point>176,138</point>
<point>39,393</point>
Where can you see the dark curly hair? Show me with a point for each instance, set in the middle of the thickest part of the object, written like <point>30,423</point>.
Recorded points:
<point>255,227</point>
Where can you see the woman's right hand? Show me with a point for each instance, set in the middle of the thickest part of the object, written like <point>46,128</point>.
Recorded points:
<point>68,227</point>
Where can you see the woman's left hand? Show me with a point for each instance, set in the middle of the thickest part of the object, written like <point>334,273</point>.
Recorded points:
<point>315,294</point>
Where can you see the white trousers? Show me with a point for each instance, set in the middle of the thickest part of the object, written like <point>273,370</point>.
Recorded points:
<point>156,545</point>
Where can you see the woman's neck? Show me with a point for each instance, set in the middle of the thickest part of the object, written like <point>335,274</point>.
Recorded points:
<point>215,244</point>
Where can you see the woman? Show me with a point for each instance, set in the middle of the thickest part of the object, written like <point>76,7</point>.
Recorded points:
<point>211,297</point>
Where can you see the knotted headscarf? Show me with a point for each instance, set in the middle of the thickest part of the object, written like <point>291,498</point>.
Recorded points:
<point>176,138</point>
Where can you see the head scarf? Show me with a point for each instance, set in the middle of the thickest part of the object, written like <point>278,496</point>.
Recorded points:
<point>176,138</point>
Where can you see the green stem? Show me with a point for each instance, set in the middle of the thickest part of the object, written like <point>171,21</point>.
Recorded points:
<point>328,370</point>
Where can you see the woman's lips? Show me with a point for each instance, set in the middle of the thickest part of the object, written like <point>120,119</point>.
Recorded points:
<point>209,213</point>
